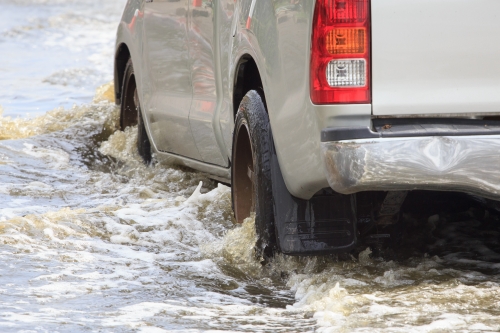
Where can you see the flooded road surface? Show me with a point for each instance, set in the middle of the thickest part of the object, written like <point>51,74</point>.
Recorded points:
<point>91,240</point>
<point>54,52</point>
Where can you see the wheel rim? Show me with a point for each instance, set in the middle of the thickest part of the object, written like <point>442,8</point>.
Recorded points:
<point>243,175</point>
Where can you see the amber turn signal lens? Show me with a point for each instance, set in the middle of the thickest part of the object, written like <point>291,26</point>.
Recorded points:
<point>346,41</point>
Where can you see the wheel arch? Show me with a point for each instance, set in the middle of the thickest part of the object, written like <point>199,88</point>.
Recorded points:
<point>247,77</point>
<point>121,57</point>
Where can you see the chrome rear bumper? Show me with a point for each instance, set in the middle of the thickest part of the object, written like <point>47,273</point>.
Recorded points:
<point>445,163</point>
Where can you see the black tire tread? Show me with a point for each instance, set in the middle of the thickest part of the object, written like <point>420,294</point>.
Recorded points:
<point>253,111</point>
<point>143,143</point>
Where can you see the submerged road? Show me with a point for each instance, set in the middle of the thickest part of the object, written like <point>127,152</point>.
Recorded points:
<point>91,240</point>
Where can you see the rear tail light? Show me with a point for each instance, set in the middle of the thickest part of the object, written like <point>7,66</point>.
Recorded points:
<point>340,52</point>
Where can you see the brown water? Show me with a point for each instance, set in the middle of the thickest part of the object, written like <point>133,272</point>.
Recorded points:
<point>91,240</point>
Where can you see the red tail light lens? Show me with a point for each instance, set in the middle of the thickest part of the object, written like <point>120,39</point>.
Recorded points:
<point>340,52</point>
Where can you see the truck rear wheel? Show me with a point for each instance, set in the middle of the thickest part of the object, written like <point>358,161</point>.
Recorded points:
<point>251,171</point>
<point>130,112</point>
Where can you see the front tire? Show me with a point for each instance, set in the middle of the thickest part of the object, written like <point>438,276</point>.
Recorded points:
<point>130,112</point>
<point>251,171</point>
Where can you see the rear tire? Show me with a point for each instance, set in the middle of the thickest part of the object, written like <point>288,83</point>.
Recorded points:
<point>130,112</point>
<point>251,171</point>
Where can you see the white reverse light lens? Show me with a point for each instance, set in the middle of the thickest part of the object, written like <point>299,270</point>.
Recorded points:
<point>346,73</point>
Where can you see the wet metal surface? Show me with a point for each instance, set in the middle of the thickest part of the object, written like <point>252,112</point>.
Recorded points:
<point>466,163</point>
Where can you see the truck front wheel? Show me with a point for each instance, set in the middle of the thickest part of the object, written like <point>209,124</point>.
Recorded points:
<point>251,171</point>
<point>130,112</point>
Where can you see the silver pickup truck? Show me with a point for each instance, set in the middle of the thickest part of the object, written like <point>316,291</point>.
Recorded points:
<point>321,114</point>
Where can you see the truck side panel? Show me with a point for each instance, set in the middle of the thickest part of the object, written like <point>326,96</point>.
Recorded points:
<point>280,33</point>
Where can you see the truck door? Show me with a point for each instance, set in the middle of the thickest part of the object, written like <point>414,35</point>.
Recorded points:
<point>168,92</point>
<point>435,56</point>
<point>202,48</point>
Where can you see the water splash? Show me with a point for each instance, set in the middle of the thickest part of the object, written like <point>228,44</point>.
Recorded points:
<point>101,113</point>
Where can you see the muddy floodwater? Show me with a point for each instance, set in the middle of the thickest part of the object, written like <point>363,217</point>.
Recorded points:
<point>91,240</point>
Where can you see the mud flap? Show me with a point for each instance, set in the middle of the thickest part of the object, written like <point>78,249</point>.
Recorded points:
<point>324,224</point>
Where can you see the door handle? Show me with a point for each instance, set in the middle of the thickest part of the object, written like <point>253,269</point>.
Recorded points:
<point>149,0</point>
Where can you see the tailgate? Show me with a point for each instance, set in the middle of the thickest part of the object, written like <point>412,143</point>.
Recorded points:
<point>435,56</point>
